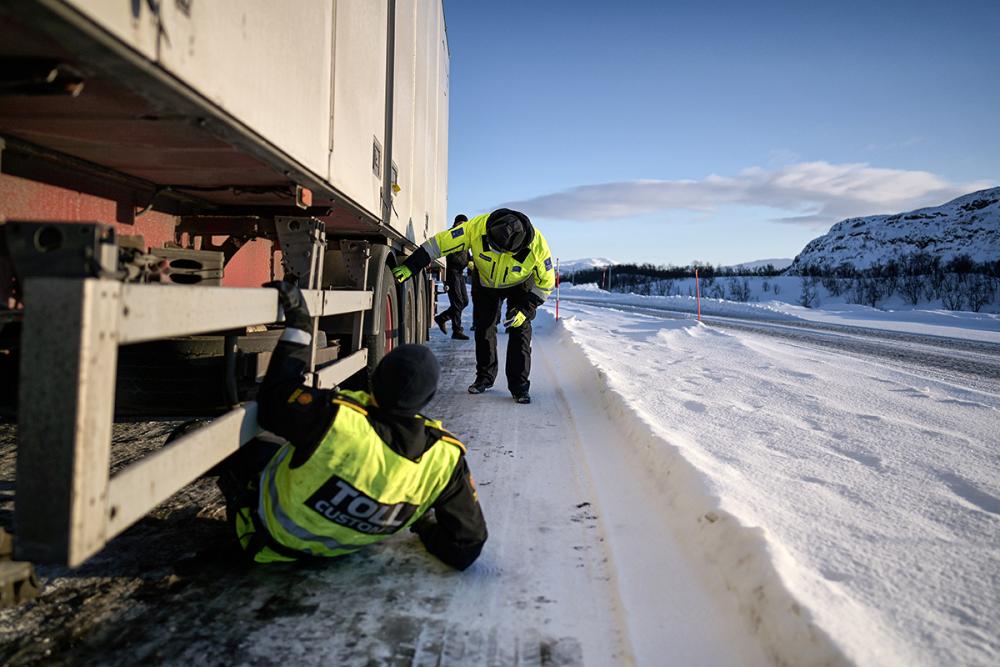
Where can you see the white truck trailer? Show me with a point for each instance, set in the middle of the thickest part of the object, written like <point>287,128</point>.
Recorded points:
<point>159,160</point>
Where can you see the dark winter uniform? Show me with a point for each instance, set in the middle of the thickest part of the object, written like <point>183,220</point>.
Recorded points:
<point>458,297</point>
<point>351,473</point>
<point>513,264</point>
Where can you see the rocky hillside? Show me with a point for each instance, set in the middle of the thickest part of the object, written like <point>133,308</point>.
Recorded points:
<point>968,225</point>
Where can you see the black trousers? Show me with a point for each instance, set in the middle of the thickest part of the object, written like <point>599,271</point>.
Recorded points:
<point>458,299</point>
<point>486,306</point>
<point>239,481</point>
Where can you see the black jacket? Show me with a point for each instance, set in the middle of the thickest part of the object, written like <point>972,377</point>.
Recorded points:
<point>457,532</point>
<point>458,261</point>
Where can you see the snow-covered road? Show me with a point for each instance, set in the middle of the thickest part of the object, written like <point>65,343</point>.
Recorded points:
<point>870,491</point>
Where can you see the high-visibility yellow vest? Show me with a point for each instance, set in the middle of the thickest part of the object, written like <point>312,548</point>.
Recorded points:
<point>353,491</point>
<point>498,269</point>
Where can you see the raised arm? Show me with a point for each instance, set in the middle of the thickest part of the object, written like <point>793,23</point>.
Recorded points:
<point>286,406</point>
<point>456,239</point>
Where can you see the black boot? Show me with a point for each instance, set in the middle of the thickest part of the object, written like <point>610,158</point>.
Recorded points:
<point>479,386</point>
<point>440,320</point>
<point>458,334</point>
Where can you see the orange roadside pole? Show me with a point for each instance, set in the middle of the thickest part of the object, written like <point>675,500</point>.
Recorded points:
<point>697,291</point>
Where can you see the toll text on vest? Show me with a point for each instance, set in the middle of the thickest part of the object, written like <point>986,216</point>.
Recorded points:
<point>343,504</point>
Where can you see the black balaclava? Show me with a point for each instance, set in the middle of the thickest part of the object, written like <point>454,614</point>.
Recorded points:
<point>406,379</point>
<point>459,219</point>
<point>509,231</point>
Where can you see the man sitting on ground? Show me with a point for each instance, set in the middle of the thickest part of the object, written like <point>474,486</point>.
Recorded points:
<point>357,467</point>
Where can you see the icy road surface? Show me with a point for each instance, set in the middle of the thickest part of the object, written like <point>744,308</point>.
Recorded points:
<point>581,568</point>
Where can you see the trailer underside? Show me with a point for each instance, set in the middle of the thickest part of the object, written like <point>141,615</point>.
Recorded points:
<point>137,125</point>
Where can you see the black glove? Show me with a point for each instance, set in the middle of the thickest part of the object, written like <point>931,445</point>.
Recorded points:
<point>292,302</point>
<point>528,305</point>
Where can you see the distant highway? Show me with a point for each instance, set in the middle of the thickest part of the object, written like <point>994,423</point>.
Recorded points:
<point>971,363</point>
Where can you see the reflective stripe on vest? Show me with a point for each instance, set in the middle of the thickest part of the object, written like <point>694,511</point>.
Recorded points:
<point>354,490</point>
<point>272,504</point>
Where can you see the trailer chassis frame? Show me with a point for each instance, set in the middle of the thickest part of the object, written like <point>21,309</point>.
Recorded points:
<point>67,505</point>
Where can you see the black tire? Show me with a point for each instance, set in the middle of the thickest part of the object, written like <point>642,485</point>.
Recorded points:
<point>408,312</point>
<point>386,308</point>
<point>422,307</point>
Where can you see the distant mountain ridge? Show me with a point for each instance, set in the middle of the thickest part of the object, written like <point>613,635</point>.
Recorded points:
<point>574,265</point>
<point>777,262</point>
<point>968,225</point>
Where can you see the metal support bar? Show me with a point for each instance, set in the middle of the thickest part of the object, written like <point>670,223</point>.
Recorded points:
<point>66,408</point>
<point>302,246</point>
<point>303,243</point>
<point>336,302</point>
<point>224,225</point>
<point>390,87</point>
<point>329,376</point>
<point>357,255</point>
<point>150,312</point>
<point>145,484</point>
<point>230,349</point>
<point>67,507</point>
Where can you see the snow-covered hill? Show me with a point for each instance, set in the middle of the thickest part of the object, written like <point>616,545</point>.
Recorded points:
<point>967,225</point>
<point>574,265</point>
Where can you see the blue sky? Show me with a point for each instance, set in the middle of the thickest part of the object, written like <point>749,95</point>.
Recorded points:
<point>717,131</point>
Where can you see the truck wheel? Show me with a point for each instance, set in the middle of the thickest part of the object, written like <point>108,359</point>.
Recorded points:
<point>408,312</point>
<point>422,307</point>
<point>387,311</point>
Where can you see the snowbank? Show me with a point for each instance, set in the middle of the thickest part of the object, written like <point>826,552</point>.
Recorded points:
<point>849,508</point>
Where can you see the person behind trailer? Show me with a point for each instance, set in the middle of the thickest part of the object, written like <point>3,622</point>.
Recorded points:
<point>458,297</point>
<point>513,264</point>
<point>356,468</point>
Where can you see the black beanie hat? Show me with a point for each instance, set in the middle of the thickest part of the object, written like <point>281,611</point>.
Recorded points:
<point>507,232</point>
<point>406,379</point>
<point>459,219</point>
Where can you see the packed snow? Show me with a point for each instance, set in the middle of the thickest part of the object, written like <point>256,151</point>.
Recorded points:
<point>835,499</point>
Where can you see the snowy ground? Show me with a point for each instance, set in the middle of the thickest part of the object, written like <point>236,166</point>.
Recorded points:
<point>894,316</point>
<point>862,497</point>
<point>675,494</point>
<point>581,567</point>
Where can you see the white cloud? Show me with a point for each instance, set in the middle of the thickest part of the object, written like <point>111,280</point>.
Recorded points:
<point>816,194</point>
